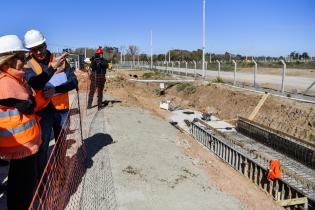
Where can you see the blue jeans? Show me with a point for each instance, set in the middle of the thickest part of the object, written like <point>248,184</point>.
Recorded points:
<point>63,117</point>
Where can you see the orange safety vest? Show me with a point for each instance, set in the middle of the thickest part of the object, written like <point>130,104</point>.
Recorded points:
<point>41,101</point>
<point>20,134</point>
<point>274,170</point>
<point>61,101</point>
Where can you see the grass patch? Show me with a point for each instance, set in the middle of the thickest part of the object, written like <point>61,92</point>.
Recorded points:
<point>187,88</point>
<point>218,80</point>
<point>153,75</point>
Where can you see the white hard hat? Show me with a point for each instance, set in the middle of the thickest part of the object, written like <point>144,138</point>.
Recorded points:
<point>33,38</point>
<point>11,43</point>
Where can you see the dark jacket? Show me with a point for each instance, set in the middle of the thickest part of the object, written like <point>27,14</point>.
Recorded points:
<point>99,65</point>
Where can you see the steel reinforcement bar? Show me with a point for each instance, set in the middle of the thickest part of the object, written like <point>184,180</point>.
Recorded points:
<point>284,194</point>
<point>298,149</point>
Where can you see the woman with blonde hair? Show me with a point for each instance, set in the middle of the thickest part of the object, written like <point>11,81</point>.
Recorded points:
<point>20,135</point>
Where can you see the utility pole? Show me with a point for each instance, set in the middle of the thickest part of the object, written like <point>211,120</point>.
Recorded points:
<point>169,56</point>
<point>84,52</point>
<point>203,37</point>
<point>151,51</point>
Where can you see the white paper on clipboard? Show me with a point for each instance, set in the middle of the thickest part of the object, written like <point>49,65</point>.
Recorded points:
<point>57,79</point>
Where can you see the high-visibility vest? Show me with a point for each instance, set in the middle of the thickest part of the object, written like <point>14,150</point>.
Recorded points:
<point>61,101</point>
<point>41,101</point>
<point>20,134</point>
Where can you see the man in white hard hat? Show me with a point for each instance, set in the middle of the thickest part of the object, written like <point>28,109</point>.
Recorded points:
<point>38,71</point>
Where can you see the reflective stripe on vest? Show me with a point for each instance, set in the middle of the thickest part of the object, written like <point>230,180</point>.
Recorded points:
<point>61,101</point>
<point>18,129</point>
<point>35,66</point>
<point>9,113</point>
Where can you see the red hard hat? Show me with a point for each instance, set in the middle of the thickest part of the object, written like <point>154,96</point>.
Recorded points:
<point>99,51</point>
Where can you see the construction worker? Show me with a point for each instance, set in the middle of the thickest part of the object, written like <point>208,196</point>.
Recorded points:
<point>97,77</point>
<point>38,71</point>
<point>20,137</point>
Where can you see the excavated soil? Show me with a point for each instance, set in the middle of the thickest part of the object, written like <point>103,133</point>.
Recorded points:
<point>288,116</point>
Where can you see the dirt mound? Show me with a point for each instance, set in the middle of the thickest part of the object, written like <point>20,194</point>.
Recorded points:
<point>221,101</point>
<point>297,119</point>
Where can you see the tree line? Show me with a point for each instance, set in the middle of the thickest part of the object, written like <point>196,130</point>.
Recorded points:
<point>132,53</point>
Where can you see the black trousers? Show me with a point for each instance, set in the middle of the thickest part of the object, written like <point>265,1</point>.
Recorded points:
<point>22,180</point>
<point>97,82</point>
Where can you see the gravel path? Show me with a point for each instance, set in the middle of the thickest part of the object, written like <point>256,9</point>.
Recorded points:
<point>145,168</point>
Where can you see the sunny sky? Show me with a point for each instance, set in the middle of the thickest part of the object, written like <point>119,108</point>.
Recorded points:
<point>248,27</point>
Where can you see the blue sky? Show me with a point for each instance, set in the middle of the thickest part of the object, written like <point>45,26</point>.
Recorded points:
<point>248,27</point>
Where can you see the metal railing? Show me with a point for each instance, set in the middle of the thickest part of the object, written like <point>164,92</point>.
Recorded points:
<point>280,190</point>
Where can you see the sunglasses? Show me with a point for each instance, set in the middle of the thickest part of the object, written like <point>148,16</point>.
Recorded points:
<point>21,56</point>
<point>41,49</point>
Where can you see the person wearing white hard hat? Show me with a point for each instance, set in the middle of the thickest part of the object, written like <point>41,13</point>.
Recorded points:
<point>38,71</point>
<point>20,137</point>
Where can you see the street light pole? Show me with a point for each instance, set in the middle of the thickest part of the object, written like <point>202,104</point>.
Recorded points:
<point>151,52</point>
<point>203,37</point>
<point>169,56</point>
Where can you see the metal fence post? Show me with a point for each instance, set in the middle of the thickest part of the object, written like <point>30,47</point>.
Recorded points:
<point>195,68</point>
<point>219,68</point>
<point>186,68</point>
<point>172,67</point>
<point>283,75</point>
<point>255,71</point>
<point>179,67</point>
<point>234,81</point>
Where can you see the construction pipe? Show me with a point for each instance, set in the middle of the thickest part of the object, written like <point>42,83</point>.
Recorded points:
<point>255,71</point>
<point>161,81</point>
<point>283,75</point>
<point>234,81</point>
<point>219,67</point>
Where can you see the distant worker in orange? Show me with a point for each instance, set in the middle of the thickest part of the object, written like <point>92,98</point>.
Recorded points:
<point>98,77</point>
<point>20,135</point>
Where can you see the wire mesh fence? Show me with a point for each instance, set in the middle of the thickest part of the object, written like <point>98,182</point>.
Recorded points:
<point>60,183</point>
